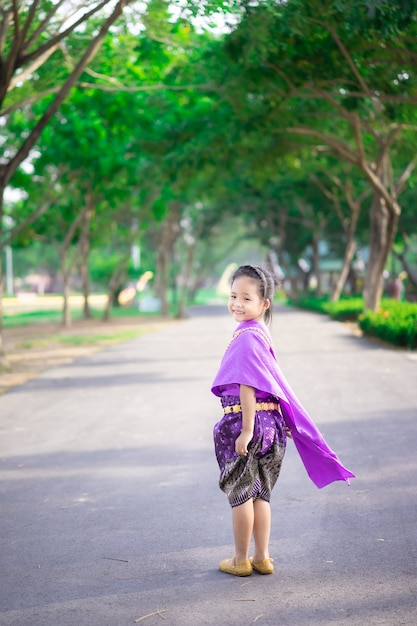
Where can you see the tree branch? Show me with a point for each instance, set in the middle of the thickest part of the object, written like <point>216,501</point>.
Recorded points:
<point>92,48</point>
<point>348,58</point>
<point>29,19</point>
<point>405,176</point>
<point>382,190</point>
<point>339,147</point>
<point>143,87</point>
<point>383,97</point>
<point>358,136</point>
<point>106,88</point>
<point>31,68</point>
<point>42,26</point>
<point>386,145</point>
<point>60,36</point>
<point>9,235</point>
<point>352,157</point>
<point>4,27</point>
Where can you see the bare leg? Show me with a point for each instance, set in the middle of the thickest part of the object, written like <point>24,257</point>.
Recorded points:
<point>261,529</point>
<point>243,518</point>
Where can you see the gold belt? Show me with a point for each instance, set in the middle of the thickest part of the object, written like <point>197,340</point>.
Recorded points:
<point>260,406</point>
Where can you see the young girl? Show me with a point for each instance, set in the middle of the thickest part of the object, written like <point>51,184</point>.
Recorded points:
<point>260,411</point>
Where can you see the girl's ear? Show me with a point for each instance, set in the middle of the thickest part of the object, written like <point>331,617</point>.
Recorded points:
<point>267,304</point>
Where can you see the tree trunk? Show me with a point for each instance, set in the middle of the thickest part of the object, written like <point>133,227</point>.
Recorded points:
<point>3,361</point>
<point>280,252</point>
<point>316,263</point>
<point>186,275</point>
<point>117,278</point>
<point>348,224</point>
<point>411,272</point>
<point>66,279</point>
<point>197,284</point>
<point>343,276</point>
<point>162,278</point>
<point>349,253</point>
<point>383,224</point>
<point>67,264</point>
<point>84,254</point>
<point>66,309</point>
<point>168,235</point>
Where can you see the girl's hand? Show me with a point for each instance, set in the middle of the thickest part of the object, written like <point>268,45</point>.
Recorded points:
<point>242,442</point>
<point>289,433</point>
<point>248,402</point>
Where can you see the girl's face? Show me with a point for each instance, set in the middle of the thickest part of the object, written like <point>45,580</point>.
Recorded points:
<point>245,303</point>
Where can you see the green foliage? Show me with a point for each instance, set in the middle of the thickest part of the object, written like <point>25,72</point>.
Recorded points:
<point>136,148</point>
<point>311,303</point>
<point>94,339</point>
<point>345,309</point>
<point>31,256</point>
<point>32,317</point>
<point>54,315</point>
<point>386,17</point>
<point>395,322</point>
<point>102,263</point>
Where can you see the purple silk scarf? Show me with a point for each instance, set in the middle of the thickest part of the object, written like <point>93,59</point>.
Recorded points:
<point>250,360</point>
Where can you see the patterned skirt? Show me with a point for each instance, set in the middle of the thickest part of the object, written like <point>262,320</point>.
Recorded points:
<point>253,476</point>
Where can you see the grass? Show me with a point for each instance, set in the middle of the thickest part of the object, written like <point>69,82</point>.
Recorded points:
<point>207,295</point>
<point>12,320</point>
<point>53,316</point>
<point>81,340</point>
<point>48,309</point>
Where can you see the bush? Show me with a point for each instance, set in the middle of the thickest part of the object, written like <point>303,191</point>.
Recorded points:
<point>395,322</point>
<point>311,303</point>
<point>346,309</point>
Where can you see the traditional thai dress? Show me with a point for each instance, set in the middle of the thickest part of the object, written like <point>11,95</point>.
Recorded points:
<point>250,360</point>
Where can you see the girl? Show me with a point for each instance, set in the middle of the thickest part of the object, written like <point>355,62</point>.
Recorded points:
<point>260,411</point>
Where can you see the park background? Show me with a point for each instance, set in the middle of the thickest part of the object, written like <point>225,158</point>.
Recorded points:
<point>147,147</point>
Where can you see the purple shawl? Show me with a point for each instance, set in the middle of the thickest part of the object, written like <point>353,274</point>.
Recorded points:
<point>250,360</point>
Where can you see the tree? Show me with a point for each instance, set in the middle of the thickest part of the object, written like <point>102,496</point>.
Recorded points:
<point>337,75</point>
<point>340,189</point>
<point>30,37</point>
<point>89,142</point>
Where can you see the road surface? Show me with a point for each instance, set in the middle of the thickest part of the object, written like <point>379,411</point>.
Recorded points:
<point>110,510</point>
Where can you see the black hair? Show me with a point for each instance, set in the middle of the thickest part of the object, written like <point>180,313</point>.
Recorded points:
<point>267,284</point>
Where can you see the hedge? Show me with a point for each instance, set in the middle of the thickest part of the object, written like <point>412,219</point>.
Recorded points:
<point>345,309</point>
<point>395,322</point>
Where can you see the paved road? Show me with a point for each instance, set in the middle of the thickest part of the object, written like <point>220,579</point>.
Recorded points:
<point>110,509</point>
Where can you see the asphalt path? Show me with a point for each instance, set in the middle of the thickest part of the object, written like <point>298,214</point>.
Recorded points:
<point>110,510</point>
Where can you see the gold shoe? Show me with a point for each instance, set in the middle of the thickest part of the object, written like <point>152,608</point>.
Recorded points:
<point>229,566</point>
<point>262,567</point>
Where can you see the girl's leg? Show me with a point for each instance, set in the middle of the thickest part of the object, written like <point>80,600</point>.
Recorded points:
<point>243,519</point>
<point>261,529</point>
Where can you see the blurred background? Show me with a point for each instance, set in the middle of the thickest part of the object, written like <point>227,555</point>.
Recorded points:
<point>147,148</point>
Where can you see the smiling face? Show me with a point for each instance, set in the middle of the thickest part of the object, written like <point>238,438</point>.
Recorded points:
<point>245,303</point>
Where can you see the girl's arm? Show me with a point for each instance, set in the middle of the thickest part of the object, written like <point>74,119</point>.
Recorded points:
<point>248,403</point>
